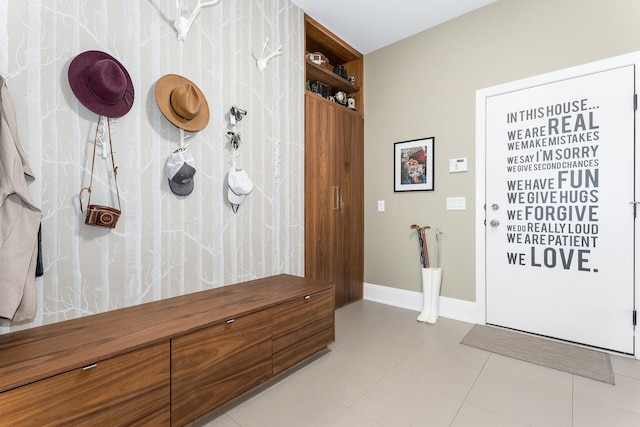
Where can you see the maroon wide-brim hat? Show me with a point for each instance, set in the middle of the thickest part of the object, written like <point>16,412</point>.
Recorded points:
<point>101,83</point>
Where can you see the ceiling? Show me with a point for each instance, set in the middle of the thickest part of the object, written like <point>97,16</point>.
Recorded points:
<point>369,25</point>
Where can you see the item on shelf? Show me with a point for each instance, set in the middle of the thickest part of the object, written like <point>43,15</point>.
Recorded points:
<point>351,103</point>
<point>321,89</point>
<point>341,97</point>
<point>352,80</point>
<point>318,59</point>
<point>340,70</point>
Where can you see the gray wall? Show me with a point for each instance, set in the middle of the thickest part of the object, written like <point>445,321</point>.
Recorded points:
<point>164,245</point>
<point>425,86</point>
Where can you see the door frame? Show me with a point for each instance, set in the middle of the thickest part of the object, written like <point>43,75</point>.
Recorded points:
<point>480,214</point>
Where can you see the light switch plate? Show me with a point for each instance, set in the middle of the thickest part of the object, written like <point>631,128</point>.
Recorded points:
<point>456,203</point>
<point>380,205</point>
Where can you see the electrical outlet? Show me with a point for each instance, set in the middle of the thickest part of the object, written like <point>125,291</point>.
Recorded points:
<point>380,205</point>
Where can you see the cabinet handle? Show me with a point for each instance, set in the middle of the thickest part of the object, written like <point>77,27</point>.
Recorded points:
<point>307,297</point>
<point>86,368</point>
<point>337,198</point>
<point>230,321</point>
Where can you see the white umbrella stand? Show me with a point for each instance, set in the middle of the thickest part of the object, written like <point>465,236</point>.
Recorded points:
<point>431,277</point>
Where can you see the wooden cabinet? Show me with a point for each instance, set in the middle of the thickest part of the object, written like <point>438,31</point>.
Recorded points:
<point>334,192</point>
<point>130,389</point>
<point>212,366</point>
<point>334,169</point>
<point>166,362</point>
<point>301,328</point>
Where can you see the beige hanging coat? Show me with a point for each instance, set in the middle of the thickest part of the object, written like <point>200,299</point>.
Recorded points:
<point>19,221</point>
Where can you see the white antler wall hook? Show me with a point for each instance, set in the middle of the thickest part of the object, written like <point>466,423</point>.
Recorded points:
<point>261,63</point>
<point>102,135</point>
<point>182,24</point>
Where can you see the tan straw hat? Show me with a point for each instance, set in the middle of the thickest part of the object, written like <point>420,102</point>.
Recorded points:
<point>182,102</point>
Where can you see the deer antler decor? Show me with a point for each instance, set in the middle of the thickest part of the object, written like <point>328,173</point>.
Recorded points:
<point>261,63</point>
<point>182,24</point>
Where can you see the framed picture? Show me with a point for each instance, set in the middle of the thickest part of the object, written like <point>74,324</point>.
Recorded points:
<point>413,165</point>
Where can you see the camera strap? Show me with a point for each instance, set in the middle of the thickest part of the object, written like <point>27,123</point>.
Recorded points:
<point>93,162</point>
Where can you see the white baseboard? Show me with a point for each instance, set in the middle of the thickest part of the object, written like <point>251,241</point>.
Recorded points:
<point>450,308</point>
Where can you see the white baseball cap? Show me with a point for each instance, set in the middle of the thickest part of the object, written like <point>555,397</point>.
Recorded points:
<point>181,167</point>
<point>239,185</point>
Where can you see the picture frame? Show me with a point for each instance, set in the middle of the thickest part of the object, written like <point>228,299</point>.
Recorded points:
<point>413,165</point>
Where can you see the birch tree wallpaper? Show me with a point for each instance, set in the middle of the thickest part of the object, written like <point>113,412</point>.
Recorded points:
<point>164,245</point>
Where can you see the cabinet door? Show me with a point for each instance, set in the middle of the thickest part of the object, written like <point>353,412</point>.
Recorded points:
<point>301,328</point>
<point>321,190</point>
<point>350,225</point>
<point>212,366</point>
<point>334,192</point>
<point>131,389</point>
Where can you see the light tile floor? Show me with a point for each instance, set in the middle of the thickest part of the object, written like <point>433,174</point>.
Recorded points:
<point>387,369</point>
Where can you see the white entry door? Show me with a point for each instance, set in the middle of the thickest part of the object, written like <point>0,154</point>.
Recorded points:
<point>559,212</point>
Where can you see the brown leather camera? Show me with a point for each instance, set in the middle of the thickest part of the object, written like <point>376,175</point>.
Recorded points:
<point>102,216</point>
<point>99,215</point>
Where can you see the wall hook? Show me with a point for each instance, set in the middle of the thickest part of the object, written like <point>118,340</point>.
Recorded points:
<point>261,63</point>
<point>237,113</point>
<point>234,139</point>
<point>277,159</point>
<point>102,135</point>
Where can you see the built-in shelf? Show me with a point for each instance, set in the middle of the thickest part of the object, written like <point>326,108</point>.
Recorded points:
<point>317,73</point>
<point>319,39</point>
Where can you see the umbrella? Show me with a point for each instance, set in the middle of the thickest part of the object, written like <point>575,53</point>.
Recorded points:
<point>422,239</point>
<point>438,235</point>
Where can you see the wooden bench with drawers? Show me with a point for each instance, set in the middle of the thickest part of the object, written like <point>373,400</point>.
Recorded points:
<point>167,362</point>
